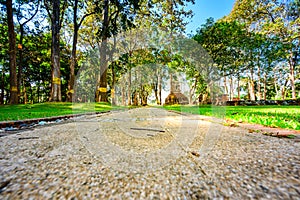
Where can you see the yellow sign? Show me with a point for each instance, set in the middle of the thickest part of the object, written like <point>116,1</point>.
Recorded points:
<point>71,91</point>
<point>14,89</point>
<point>102,89</point>
<point>56,80</point>
<point>112,93</point>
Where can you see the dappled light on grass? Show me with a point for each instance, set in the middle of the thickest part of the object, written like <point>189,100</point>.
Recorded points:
<point>30,111</point>
<point>273,116</point>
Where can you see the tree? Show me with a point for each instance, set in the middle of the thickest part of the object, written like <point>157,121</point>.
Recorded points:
<point>226,42</point>
<point>274,19</point>
<point>171,17</point>
<point>76,26</point>
<point>56,12</point>
<point>3,59</point>
<point>115,16</point>
<point>12,54</point>
<point>28,16</point>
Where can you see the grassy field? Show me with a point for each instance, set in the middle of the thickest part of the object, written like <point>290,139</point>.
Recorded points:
<point>273,116</point>
<point>29,111</point>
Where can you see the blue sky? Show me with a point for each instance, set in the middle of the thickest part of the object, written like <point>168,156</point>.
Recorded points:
<point>204,9</point>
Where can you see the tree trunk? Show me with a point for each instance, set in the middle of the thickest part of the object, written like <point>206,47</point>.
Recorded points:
<point>73,61</point>
<point>238,87</point>
<point>230,88</point>
<point>123,95</point>
<point>251,85</point>
<point>144,96</point>
<point>129,87</point>
<point>251,90</point>
<point>71,82</point>
<point>155,89</point>
<point>112,91</point>
<point>103,55</point>
<point>55,57</point>
<point>283,93</point>
<point>292,80</point>
<point>171,84</point>
<point>225,85</point>
<point>283,90</point>
<point>12,54</point>
<point>276,89</point>
<point>204,98</point>
<point>20,67</point>
<point>258,84</point>
<point>265,86</point>
<point>292,76</point>
<point>136,98</point>
<point>2,87</point>
<point>159,88</point>
<point>38,92</point>
<point>25,93</point>
<point>192,91</point>
<point>20,47</point>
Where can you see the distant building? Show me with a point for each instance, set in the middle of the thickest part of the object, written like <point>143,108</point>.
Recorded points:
<point>175,96</point>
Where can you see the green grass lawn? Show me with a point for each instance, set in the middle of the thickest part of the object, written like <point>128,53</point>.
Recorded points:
<point>29,111</point>
<point>273,116</point>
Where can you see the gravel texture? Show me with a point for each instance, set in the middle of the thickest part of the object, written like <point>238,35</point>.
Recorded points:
<point>147,153</point>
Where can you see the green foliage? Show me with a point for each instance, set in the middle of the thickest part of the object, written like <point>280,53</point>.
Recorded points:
<point>274,20</point>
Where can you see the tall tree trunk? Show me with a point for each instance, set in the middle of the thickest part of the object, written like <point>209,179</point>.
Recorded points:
<point>123,95</point>
<point>155,86</point>
<point>112,91</point>
<point>129,84</point>
<point>20,47</point>
<point>292,80</point>
<point>103,55</point>
<point>38,93</point>
<point>238,87</point>
<point>265,86</point>
<point>135,98</point>
<point>25,93</point>
<point>155,89</point>
<point>230,88</point>
<point>276,88</point>
<point>283,90</point>
<point>2,87</point>
<point>283,93</point>
<point>225,85</point>
<point>251,85</point>
<point>258,83</point>
<point>144,96</point>
<point>292,64</point>
<point>70,93</point>
<point>12,54</point>
<point>20,67</point>
<point>192,91</point>
<point>73,56</point>
<point>159,88</point>
<point>55,57</point>
<point>171,83</point>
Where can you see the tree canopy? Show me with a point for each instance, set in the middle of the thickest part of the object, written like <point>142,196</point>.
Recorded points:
<point>127,51</point>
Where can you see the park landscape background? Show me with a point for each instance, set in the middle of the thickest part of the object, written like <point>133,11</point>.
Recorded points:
<point>44,44</point>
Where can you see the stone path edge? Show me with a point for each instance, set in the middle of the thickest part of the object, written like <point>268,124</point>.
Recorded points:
<point>17,123</point>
